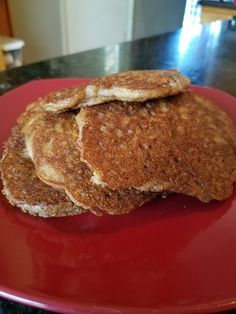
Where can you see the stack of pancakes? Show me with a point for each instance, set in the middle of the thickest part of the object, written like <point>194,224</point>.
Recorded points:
<point>116,143</point>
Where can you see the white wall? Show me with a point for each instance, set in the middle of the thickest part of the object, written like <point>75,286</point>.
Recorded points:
<point>55,27</point>
<point>38,23</point>
<point>152,17</point>
<point>91,24</point>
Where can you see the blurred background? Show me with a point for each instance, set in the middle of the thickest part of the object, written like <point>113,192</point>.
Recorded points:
<point>36,30</point>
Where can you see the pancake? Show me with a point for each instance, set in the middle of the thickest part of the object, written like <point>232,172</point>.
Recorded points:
<point>64,99</point>
<point>125,86</point>
<point>182,144</point>
<point>31,113</point>
<point>22,186</point>
<point>135,86</point>
<point>55,152</point>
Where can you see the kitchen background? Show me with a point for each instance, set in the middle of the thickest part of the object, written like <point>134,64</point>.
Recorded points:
<point>50,28</point>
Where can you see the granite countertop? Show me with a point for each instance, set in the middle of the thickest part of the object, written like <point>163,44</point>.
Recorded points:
<point>204,53</point>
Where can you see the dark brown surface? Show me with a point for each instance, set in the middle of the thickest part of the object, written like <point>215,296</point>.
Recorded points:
<point>182,144</point>
<point>5,23</point>
<point>56,157</point>
<point>30,192</point>
<point>204,54</point>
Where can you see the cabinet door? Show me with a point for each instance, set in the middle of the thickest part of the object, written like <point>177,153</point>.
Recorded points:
<point>5,24</point>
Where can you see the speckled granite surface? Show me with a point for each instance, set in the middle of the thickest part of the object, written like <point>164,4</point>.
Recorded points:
<point>9,307</point>
<point>205,53</point>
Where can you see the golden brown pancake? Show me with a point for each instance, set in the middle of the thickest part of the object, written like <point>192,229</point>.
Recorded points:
<point>22,186</point>
<point>125,86</point>
<point>31,114</point>
<point>63,100</point>
<point>52,142</point>
<point>135,86</point>
<point>182,144</point>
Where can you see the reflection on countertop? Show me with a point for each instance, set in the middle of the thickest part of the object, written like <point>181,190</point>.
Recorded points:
<point>204,53</point>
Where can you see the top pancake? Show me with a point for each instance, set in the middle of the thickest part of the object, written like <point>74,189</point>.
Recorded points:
<point>128,86</point>
<point>183,144</point>
<point>22,186</point>
<point>64,99</point>
<point>56,156</point>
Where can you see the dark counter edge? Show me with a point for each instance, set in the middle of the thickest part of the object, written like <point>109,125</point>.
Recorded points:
<point>157,52</point>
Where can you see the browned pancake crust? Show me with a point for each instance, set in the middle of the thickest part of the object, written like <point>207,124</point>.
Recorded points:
<point>125,86</point>
<point>144,80</point>
<point>56,156</point>
<point>31,114</point>
<point>22,186</point>
<point>135,86</point>
<point>182,143</point>
<point>63,99</point>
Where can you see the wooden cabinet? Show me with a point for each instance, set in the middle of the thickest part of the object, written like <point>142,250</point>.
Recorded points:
<point>210,14</point>
<point>5,23</point>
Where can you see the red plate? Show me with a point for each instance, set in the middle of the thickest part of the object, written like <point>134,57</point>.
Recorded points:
<point>171,256</point>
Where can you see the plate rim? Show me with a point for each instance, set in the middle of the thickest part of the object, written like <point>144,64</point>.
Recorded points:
<point>54,304</point>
